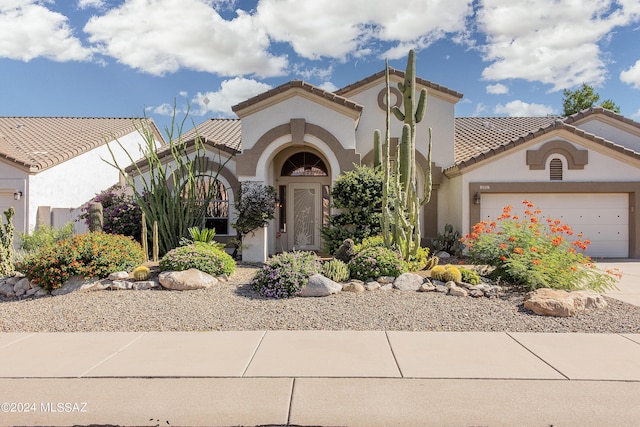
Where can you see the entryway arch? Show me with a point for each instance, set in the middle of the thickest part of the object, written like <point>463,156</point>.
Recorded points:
<point>303,179</point>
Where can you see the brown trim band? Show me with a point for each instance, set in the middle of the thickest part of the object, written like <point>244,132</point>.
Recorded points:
<point>576,159</point>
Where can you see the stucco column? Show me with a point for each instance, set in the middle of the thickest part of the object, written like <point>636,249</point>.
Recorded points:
<point>254,245</point>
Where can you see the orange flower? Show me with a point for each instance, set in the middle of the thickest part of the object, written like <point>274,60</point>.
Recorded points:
<point>536,261</point>
<point>518,251</point>
<point>512,239</point>
<point>534,220</point>
<point>533,249</point>
<point>537,211</point>
<point>503,246</point>
<point>503,258</point>
<point>516,217</point>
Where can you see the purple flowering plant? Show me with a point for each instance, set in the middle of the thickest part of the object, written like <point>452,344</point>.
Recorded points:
<point>284,275</point>
<point>121,213</point>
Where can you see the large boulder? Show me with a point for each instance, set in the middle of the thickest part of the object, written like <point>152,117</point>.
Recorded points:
<point>79,283</point>
<point>560,303</point>
<point>186,280</point>
<point>408,282</point>
<point>320,286</point>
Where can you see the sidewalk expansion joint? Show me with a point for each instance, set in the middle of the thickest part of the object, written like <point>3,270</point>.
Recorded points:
<point>395,359</point>
<point>538,357</point>
<point>255,351</point>
<point>120,350</point>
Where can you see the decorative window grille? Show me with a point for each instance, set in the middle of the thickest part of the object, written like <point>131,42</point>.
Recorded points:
<point>555,170</point>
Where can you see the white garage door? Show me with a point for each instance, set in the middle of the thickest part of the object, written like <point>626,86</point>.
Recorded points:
<point>601,218</point>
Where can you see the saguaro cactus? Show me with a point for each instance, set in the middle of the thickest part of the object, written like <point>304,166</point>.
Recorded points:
<point>401,227</point>
<point>96,218</point>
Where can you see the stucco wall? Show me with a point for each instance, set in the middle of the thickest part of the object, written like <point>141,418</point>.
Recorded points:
<point>439,115</point>
<point>77,180</point>
<point>612,133</point>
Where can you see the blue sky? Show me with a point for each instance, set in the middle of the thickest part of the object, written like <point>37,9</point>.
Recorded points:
<point>122,58</point>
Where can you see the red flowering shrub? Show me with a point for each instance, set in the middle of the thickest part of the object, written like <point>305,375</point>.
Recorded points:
<point>87,255</point>
<point>536,252</point>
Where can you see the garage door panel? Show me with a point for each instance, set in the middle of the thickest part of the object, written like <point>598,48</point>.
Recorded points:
<point>602,218</point>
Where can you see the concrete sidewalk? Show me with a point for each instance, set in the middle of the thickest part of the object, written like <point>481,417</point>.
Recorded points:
<point>352,378</point>
<point>629,286</point>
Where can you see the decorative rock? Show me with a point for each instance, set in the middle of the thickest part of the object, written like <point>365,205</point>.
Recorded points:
<point>41,292</point>
<point>373,286</point>
<point>383,280</point>
<point>441,288</point>
<point>386,287</point>
<point>408,282</point>
<point>559,303</point>
<point>465,285</point>
<point>353,286</point>
<point>117,285</point>
<point>320,286</point>
<point>145,284</point>
<point>77,283</point>
<point>22,285</point>
<point>476,293</point>
<point>17,276</point>
<point>20,292</point>
<point>443,255</point>
<point>457,291</point>
<point>118,275</point>
<point>493,291</point>
<point>186,280</point>
<point>427,287</point>
<point>32,291</point>
<point>7,290</point>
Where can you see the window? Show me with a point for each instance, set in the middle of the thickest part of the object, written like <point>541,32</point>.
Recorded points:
<point>217,214</point>
<point>304,164</point>
<point>555,170</point>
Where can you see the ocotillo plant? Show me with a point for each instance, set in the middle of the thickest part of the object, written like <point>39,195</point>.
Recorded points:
<point>144,239</point>
<point>401,227</point>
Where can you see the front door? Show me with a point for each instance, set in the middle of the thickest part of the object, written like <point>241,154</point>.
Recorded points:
<point>305,211</point>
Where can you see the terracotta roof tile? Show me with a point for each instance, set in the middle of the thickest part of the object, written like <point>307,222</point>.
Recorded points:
<point>479,138</point>
<point>302,85</point>
<point>39,143</point>
<point>599,110</point>
<point>380,74</point>
<point>475,136</point>
<point>223,132</point>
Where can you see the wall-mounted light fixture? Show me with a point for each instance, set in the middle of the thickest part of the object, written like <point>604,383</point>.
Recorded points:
<point>477,198</point>
<point>17,195</point>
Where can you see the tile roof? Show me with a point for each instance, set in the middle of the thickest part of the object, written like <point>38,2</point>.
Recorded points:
<point>222,132</point>
<point>37,143</point>
<point>574,118</point>
<point>380,74</point>
<point>467,153</point>
<point>477,135</point>
<point>302,85</point>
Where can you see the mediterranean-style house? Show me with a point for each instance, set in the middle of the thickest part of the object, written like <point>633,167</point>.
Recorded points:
<point>50,166</point>
<point>583,170</point>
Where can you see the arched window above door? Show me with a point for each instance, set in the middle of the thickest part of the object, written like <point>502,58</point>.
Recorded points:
<point>304,164</point>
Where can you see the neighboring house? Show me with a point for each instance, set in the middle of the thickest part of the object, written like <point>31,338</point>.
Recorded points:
<point>50,166</point>
<point>583,170</point>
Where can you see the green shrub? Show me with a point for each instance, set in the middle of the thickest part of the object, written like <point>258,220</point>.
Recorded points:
<point>369,242</point>
<point>44,235</point>
<point>87,255</point>
<point>419,261</point>
<point>536,254</point>
<point>358,196</point>
<point>284,275</point>
<point>469,276</point>
<point>201,256</point>
<point>336,270</point>
<point>376,261</point>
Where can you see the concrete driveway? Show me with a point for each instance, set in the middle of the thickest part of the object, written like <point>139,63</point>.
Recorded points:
<point>629,285</point>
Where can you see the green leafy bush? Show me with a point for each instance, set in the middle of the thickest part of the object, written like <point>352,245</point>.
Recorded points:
<point>336,270</point>
<point>369,242</point>
<point>469,276</point>
<point>201,256</point>
<point>284,275</point>
<point>419,261</point>
<point>45,235</point>
<point>358,195</point>
<point>376,261</point>
<point>535,252</point>
<point>87,255</point>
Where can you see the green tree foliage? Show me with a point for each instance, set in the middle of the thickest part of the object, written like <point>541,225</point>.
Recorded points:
<point>574,101</point>
<point>358,195</point>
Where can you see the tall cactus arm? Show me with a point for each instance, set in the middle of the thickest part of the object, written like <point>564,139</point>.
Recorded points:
<point>422,105</point>
<point>377,149</point>
<point>399,114</point>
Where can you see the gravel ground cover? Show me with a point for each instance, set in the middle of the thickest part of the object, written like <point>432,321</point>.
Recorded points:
<point>233,305</point>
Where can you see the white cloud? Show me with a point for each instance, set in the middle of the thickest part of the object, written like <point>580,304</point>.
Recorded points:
<point>479,110</point>
<point>333,29</point>
<point>162,36</point>
<point>231,92</point>
<point>328,86</point>
<point>497,89</point>
<point>84,4</point>
<point>550,41</point>
<point>29,30</point>
<point>312,73</point>
<point>162,110</point>
<point>183,93</point>
<point>632,75</point>
<point>522,109</point>
<point>636,116</point>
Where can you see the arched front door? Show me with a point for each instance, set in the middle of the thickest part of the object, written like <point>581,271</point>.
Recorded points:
<point>303,188</point>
